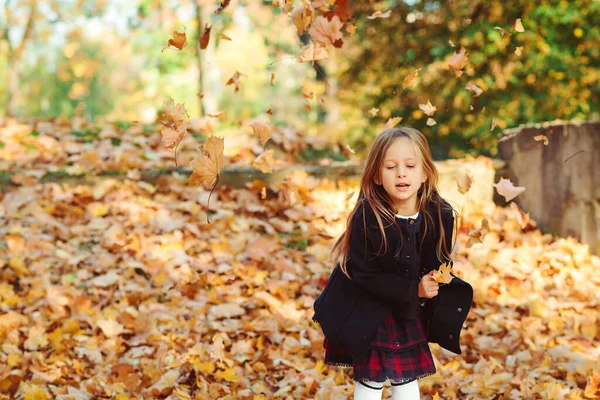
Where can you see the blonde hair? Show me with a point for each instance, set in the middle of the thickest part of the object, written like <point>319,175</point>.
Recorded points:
<point>377,198</point>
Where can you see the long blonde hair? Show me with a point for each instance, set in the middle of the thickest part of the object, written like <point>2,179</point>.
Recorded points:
<point>377,198</point>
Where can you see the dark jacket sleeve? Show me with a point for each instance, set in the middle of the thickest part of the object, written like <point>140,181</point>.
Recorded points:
<point>399,292</point>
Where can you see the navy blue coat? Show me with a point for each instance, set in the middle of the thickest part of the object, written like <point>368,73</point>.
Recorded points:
<point>349,311</point>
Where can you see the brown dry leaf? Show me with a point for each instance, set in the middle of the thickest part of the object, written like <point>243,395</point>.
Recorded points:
<point>464,183</point>
<point>310,52</point>
<point>171,137</point>
<point>326,32</point>
<point>379,14</point>
<point>205,37</point>
<point>478,235</point>
<point>264,162</point>
<point>522,218</point>
<point>505,188</point>
<point>543,138</point>
<point>308,95</point>
<point>442,274</point>
<point>178,40</point>
<point>270,111</point>
<point>373,112</point>
<point>428,109</point>
<point>458,61</point>
<point>302,17</point>
<point>307,107</point>
<point>262,131</point>
<point>411,79</point>
<point>519,25</point>
<point>235,79</point>
<point>392,122</point>
<point>474,88</point>
<point>208,165</point>
<point>225,37</point>
<point>224,4</point>
<point>519,50</point>
<point>220,115</point>
<point>503,32</point>
<point>272,79</point>
<point>200,95</point>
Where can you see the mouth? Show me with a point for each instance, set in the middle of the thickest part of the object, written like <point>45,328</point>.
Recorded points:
<point>402,186</point>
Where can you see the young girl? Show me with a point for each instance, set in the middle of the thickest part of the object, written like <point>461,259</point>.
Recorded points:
<point>399,231</point>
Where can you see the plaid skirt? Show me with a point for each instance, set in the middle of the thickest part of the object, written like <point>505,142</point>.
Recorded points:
<point>399,351</point>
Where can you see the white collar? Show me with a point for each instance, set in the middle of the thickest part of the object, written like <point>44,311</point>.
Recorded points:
<point>410,216</point>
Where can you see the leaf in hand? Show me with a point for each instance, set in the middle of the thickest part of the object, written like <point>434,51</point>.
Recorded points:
<point>442,275</point>
<point>506,188</point>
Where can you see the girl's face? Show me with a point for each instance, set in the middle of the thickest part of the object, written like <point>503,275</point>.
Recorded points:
<point>402,174</point>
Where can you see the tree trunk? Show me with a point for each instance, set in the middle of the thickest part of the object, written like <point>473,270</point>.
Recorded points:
<point>206,58</point>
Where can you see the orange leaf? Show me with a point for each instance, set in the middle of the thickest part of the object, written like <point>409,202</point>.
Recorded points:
<point>541,137</point>
<point>208,165</point>
<point>272,79</point>
<point>392,122</point>
<point>262,131</point>
<point>301,17</point>
<point>205,38</point>
<point>225,37</point>
<point>179,40</point>
<point>442,275</point>
<point>235,79</point>
<point>519,50</point>
<point>458,61</point>
<point>410,79</point>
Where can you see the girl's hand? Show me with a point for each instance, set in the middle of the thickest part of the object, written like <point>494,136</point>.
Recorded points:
<point>428,287</point>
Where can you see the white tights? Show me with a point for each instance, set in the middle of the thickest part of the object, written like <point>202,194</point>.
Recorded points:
<point>374,391</point>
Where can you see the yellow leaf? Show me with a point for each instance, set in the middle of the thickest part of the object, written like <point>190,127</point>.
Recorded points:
<point>392,122</point>
<point>206,367</point>
<point>207,167</point>
<point>519,25</point>
<point>228,375</point>
<point>98,209</point>
<point>410,79</point>
<point>17,263</point>
<point>442,275</point>
<point>519,50</point>
<point>428,109</point>
<point>260,343</point>
<point>373,112</point>
<point>13,360</point>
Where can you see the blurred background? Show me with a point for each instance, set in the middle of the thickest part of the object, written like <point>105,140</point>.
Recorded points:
<point>110,59</point>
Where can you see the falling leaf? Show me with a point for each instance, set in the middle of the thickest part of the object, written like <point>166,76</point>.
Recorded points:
<point>519,50</point>
<point>474,88</point>
<point>308,95</point>
<point>522,218</point>
<point>222,6</point>
<point>350,149</point>
<point>264,162</point>
<point>442,274</point>
<point>458,61</point>
<point>464,183</point>
<point>431,121</point>
<point>410,79</point>
<point>392,122</point>
<point>270,111</point>
<point>262,131</point>
<point>307,107</point>
<point>379,14</point>
<point>235,79</point>
<point>310,52</point>
<point>208,165</point>
<point>324,31</point>
<point>478,235</point>
<point>451,43</point>
<point>373,112</point>
<point>178,40</point>
<point>428,109</point>
<point>543,138</point>
<point>505,188</point>
<point>301,17</point>
<point>225,37</point>
<point>503,32</point>
<point>351,29</point>
<point>220,115</point>
<point>493,124</point>
<point>205,38</point>
<point>272,79</point>
<point>519,25</point>
<point>200,95</point>
<point>172,137</point>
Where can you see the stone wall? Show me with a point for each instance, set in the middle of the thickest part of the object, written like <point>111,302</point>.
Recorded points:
<point>561,179</point>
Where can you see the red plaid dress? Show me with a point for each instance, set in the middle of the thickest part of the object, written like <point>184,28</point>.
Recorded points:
<point>399,350</point>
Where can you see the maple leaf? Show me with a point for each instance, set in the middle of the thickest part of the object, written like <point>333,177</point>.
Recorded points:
<point>326,32</point>
<point>178,40</point>
<point>373,112</point>
<point>264,162</point>
<point>478,235</point>
<point>458,61</point>
<point>235,79</point>
<point>464,183</point>
<point>428,109</point>
<point>205,37</point>
<point>206,168</point>
<point>519,25</point>
<point>410,79</point>
<point>310,52</point>
<point>379,14</point>
<point>474,88</point>
<point>506,188</point>
<point>301,17</point>
<point>262,131</point>
<point>392,122</point>
<point>442,274</point>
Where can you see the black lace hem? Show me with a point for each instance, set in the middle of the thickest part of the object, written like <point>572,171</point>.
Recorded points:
<point>395,380</point>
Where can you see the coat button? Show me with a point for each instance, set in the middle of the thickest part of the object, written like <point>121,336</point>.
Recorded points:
<point>408,257</point>
<point>412,221</point>
<point>459,309</point>
<point>451,336</point>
